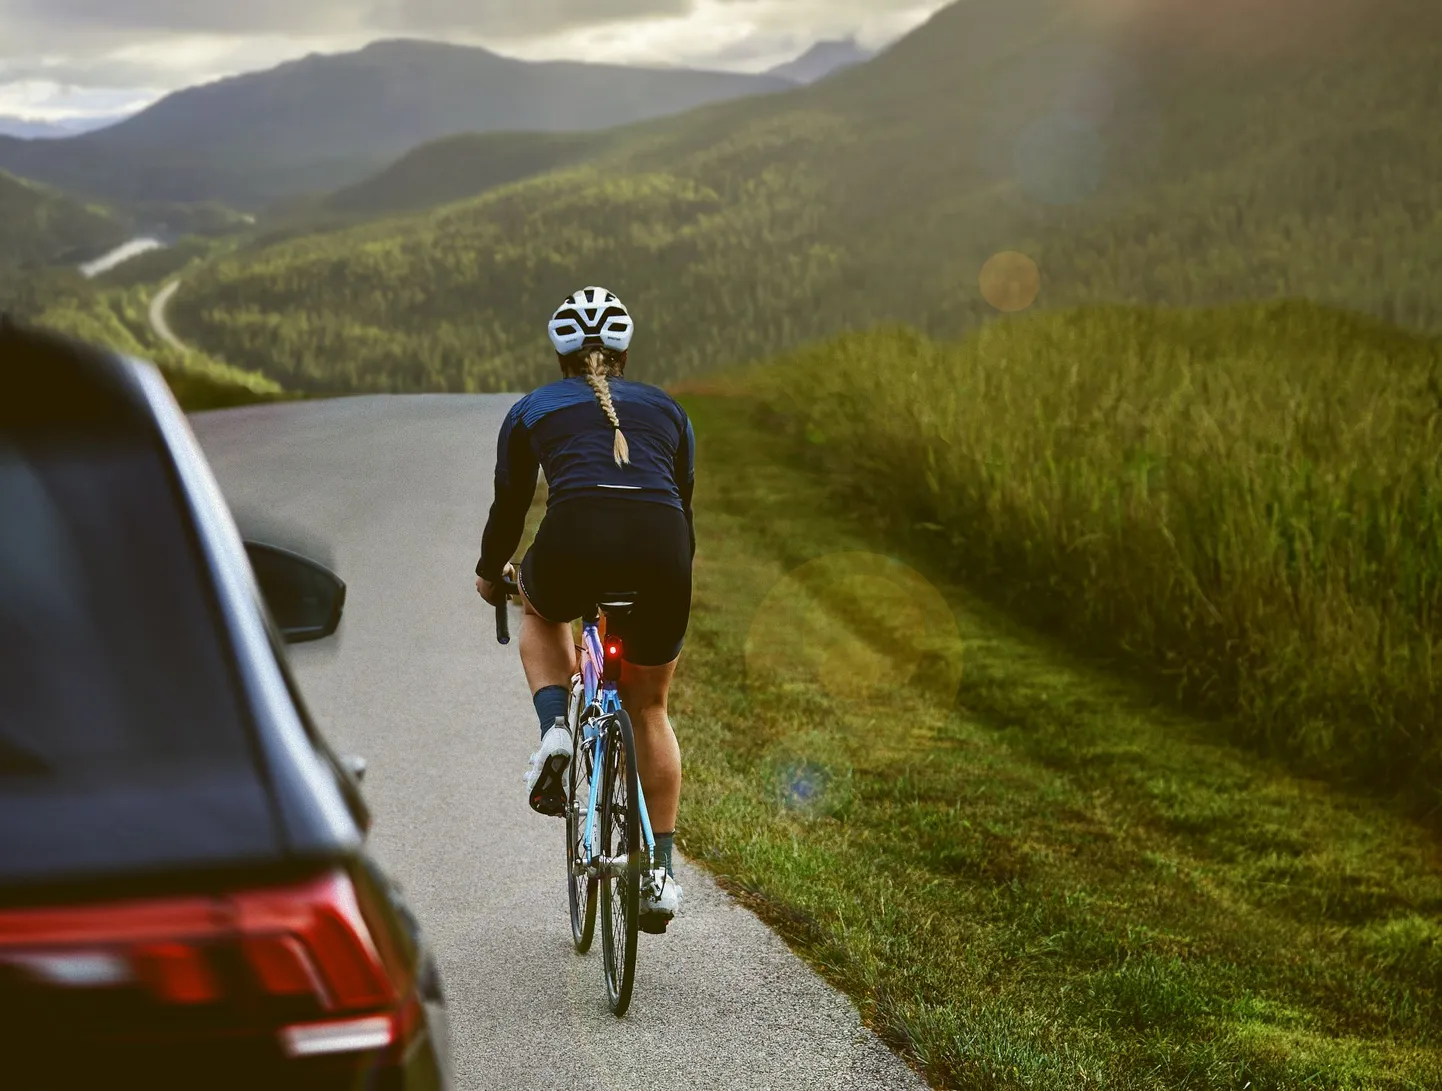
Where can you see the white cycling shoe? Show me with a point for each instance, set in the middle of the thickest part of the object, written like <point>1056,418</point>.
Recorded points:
<point>546,778</point>
<point>660,900</point>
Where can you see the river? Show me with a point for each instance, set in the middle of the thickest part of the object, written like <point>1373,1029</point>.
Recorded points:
<point>123,253</point>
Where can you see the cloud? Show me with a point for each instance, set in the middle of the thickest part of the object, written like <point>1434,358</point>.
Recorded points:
<point>745,34</point>
<point>52,20</point>
<point>128,46</point>
<point>41,100</point>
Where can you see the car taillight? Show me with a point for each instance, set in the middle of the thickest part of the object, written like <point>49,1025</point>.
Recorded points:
<point>308,963</point>
<point>162,946</point>
<point>178,973</point>
<point>313,941</point>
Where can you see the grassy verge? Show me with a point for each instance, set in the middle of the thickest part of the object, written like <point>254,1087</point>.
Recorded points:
<point>1027,873</point>
<point>1241,502</point>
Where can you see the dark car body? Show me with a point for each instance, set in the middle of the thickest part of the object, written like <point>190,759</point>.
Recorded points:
<point>185,897</point>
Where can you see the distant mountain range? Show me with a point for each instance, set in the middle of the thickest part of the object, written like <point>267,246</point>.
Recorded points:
<point>1185,155</point>
<point>821,60</point>
<point>456,167</point>
<point>30,128</point>
<point>328,121</point>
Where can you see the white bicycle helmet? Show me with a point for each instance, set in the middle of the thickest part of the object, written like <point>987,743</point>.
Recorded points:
<point>593,316</point>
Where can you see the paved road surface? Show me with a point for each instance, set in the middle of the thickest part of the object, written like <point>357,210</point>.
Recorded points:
<point>398,488</point>
<point>158,303</point>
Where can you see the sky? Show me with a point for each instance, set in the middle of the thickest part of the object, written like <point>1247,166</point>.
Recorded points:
<point>62,59</point>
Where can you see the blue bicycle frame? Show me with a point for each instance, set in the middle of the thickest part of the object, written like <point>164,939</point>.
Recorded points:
<point>601,700</point>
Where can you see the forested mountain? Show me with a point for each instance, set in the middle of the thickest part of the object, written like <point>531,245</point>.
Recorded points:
<point>327,121</point>
<point>462,166</point>
<point>457,167</point>
<point>39,226</point>
<point>821,60</point>
<point>1184,154</point>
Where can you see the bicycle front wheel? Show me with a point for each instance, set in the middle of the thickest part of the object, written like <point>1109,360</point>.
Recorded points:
<point>620,848</point>
<point>580,888</point>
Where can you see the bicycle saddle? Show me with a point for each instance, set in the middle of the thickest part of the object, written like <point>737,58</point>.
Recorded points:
<point>617,603</point>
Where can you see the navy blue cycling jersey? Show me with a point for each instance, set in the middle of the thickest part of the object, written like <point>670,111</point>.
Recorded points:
<point>560,429</point>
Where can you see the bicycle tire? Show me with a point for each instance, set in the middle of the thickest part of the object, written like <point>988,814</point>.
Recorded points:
<point>620,834</point>
<point>580,889</point>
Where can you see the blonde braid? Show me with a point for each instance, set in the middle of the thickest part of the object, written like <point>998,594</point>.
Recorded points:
<point>596,378</point>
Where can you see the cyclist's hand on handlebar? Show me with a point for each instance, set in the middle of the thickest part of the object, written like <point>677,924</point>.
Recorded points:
<point>495,593</point>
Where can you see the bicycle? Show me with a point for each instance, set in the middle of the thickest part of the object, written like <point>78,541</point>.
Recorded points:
<point>611,838</point>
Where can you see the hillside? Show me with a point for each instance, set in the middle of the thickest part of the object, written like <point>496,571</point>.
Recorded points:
<point>822,60</point>
<point>1183,156</point>
<point>39,226</point>
<point>328,121</point>
<point>461,166</point>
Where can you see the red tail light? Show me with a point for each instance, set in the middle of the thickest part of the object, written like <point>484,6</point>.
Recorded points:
<point>306,952</point>
<point>312,940</point>
<point>177,972</point>
<point>613,650</point>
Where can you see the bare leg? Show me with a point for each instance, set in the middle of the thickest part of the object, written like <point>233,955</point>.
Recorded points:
<point>644,691</point>
<point>548,651</point>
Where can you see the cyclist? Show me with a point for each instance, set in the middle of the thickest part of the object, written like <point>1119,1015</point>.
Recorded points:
<point>619,460</point>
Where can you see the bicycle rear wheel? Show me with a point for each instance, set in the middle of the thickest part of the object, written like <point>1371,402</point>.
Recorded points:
<point>620,842</point>
<point>581,889</point>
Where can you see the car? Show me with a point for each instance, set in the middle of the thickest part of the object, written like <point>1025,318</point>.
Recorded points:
<point>186,898</point>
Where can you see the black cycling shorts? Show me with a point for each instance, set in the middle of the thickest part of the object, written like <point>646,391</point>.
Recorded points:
<point>587,550</point>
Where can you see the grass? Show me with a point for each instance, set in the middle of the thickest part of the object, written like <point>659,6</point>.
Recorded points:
<point>1242,503</point>
<point>1027,872</point>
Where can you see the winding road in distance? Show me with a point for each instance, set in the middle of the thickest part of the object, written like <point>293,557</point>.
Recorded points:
<point>158,303</point>
<point>398,490</point>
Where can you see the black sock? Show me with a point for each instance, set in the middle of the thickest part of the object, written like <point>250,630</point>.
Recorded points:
<point>664,843</point>
<point>552,703</point>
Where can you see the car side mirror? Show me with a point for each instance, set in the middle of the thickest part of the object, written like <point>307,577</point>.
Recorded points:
<point>304,597</point>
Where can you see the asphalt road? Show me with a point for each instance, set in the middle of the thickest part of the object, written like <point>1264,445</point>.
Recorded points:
<point>397,489</point>
<point>158,303</point>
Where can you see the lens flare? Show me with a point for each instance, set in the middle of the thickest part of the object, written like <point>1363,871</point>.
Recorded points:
<point>1010,281</point>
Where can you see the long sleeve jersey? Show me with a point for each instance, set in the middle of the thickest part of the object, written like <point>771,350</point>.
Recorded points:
<point>561,430</point>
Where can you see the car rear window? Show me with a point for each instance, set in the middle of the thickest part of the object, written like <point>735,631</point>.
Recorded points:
<point>123,739</point>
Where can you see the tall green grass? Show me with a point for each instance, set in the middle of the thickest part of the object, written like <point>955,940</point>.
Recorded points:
<point>1244,501</point>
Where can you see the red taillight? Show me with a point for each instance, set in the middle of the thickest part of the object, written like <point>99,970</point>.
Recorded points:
<point>613,650</point>
<point>162,945</point>
<point>314,939</point>
<point>177,973</point>
<point>307,947</point>
<point>282,967</point>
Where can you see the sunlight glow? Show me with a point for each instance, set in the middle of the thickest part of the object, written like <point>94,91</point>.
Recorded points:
<point>42,100</point>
